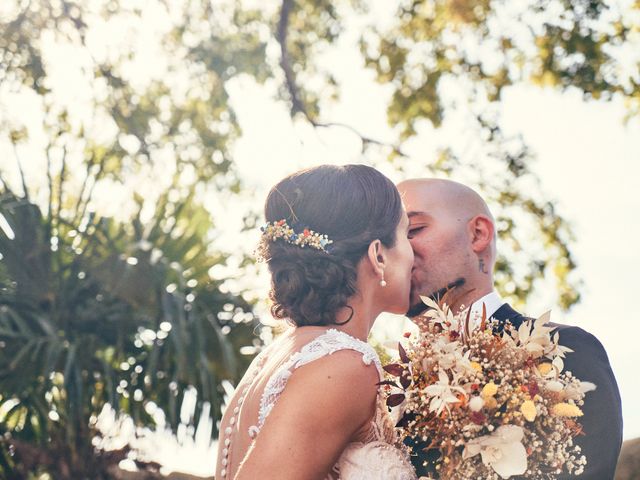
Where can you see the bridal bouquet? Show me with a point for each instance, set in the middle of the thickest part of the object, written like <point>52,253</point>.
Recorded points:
<point>489,406</point>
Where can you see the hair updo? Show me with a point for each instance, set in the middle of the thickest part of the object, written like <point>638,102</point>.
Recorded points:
<point>353,205</point>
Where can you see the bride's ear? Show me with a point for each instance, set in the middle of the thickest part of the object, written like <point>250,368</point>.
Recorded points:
<point>377,257</point>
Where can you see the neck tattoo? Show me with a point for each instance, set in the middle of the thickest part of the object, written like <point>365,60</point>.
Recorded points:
<point>483,267</point>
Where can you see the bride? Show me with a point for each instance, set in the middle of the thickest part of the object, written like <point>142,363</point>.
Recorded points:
<point>308,407</point>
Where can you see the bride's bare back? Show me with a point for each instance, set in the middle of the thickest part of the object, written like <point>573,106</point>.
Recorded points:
<point>304,427</point>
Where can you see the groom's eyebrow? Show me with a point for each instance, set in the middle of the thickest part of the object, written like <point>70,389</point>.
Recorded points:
<point>417,215</point>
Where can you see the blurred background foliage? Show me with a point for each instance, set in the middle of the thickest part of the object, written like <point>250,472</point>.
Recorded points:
<point>106,312</point>
<point>122,306</point>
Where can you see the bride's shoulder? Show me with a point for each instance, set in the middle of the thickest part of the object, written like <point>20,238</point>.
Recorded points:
<point>327,364</point>
<point>345,365</point>
<point>340,379</point>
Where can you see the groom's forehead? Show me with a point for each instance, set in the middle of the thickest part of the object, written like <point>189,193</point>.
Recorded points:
<point>419,198</point>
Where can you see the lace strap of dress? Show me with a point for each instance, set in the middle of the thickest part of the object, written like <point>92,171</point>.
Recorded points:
<point>329,342</point>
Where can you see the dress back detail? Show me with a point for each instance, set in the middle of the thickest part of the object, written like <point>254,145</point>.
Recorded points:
<point>379,455</point>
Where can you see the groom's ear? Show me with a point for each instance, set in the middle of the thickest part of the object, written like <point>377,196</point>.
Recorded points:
<point>376,256</point>
<point>482,233</point>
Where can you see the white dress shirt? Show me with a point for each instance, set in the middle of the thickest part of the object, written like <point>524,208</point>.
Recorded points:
<point>491,301</point>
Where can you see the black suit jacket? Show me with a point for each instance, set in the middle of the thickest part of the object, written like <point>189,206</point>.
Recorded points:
<point>602,420</point>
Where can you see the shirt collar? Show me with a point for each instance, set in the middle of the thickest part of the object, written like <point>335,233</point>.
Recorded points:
<point>491,301</point>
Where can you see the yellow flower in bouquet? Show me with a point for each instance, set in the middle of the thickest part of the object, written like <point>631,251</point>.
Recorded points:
<point>528,410</point>
<point>566,410</point>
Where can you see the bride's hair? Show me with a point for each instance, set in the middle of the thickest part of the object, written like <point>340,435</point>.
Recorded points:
<point>351,204</point>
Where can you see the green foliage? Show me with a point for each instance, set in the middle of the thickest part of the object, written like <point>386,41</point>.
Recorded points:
<point>107,312</point>
<point>97,310</point>
<point>182,109</point>
<point>492,45</point>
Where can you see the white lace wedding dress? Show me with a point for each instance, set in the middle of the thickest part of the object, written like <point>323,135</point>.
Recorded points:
<point>375,458</point>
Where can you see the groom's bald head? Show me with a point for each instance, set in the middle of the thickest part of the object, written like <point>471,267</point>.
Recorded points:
<point>453,236</point>
<point>460,199</point>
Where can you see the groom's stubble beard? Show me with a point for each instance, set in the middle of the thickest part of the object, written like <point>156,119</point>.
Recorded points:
<point>419,307</point>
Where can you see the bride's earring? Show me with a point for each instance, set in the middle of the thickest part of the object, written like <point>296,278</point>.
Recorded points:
<point>382,281</point>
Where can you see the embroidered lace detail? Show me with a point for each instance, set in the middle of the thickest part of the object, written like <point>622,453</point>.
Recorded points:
<point>382,427</point>
<point>374,461</point>
<point>329,342</point>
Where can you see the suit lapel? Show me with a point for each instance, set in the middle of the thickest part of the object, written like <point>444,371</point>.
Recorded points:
<point>507,314</point>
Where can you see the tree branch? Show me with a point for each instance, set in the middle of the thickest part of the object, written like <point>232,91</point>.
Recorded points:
<point>290,79</point>
<point>96,177</point>
<point>84,186</point>
<point>63,171</point>
<point>22,178</point>
<point>5,185</point>
<point>50,184</point>
<point>297,105</point>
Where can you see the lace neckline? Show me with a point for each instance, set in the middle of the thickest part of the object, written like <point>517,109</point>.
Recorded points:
<point>339,333</point>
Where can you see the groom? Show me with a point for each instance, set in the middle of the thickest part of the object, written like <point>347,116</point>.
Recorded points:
<point>452,233</point>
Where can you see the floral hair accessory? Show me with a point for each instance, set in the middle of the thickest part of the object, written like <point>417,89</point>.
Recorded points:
<point>308,238</point>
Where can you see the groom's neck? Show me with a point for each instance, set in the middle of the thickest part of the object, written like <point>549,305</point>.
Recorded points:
<point>441,295</point>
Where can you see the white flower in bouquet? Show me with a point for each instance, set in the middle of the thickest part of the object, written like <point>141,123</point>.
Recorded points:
<point>442,393</point>
<point>502,450</point>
